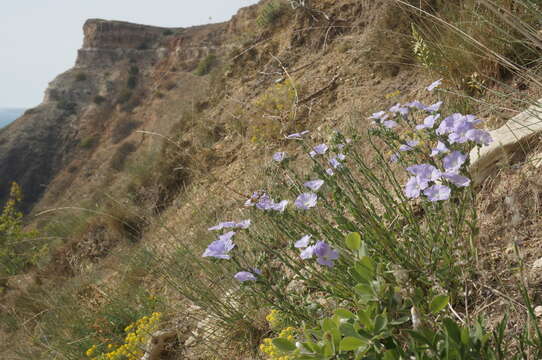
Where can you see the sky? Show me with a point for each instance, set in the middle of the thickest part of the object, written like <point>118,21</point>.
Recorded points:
<point>39,38</point>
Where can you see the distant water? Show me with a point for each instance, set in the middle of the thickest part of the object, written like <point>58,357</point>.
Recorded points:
<point>7,115</point>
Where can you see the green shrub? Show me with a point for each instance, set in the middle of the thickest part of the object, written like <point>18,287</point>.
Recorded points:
<point>88,142</point>
<point>80,77</point>
<point>167,32</point>
<point>18,248</point>
<point>120,155</point>
<point>132,82</point>
<point>205,65</point>
<point>124,96</point>
<point>134,70</point>
<point>270,13</point>
<point>69,107</point>
<point>122,129</point>
<point>98,99</point>
<point>143,46</point>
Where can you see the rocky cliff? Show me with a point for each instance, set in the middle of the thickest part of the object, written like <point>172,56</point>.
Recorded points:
<point>118,67</point>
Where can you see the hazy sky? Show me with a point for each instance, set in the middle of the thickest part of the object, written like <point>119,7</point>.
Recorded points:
<point>39,38</point>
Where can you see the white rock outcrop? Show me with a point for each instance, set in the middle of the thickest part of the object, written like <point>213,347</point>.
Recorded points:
<point>511,142</point>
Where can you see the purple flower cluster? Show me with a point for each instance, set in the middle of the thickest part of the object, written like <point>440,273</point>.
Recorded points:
<point>325,254</point>
<point>427,178</point>
<point>220,248</point>
<point>460,129</point>
<point>264,202</point>
<point>245,224</point>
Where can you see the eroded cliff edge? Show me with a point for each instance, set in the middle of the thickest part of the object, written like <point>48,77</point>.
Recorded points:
<point>114,73</point>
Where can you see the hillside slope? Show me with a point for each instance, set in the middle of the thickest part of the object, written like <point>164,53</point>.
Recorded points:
<point>156,134</point>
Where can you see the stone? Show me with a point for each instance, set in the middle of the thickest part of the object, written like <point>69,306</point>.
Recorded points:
<point>510,142</point>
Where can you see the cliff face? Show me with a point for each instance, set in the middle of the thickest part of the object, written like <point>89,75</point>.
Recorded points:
<point>114,73</point>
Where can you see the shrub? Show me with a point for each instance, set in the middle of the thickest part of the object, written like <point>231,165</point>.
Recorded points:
<point>88,142</point>
<point>271,112</point>
<point>132,82</point>
<point>98,99</point>
<point>143,46</point>
<point>270,13</point>
<point>122,129</point>
<point>134,70</point>
<point>124,96</point>
<point>69,107</point>
<point>18,248</point>
<point>80,77</point>
<point>120,155</point>
<point>167,32</point>
<point>205,65</point>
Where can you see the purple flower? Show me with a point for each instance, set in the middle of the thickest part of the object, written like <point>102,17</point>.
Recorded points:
<point>434,107</point>
<point>434,85</point>
<point>453,161</point>
<point>456,179</point>
<point>319,150</point>
<point>390,124</point>
<point>409,145</point>
<point>428,122</point>
<point>314,185</point>
<point>220,248</point>
<point>425,172</point>
<point>437,193</point>
<point>306,201</point>
<point>244,224</point>
<point>458,127</point>
<point>341,157</point>
<point>223,225</point>
<point>335,163</point>
<point>325,254</point>
<point>441,148</point>
<point>281,206</point>
<point>416,104</point>
<point>394,158</point>
<point>303,242</point>
<point>255,196</point>
<point>307,253</point>
<point>381,115</point>
<point>397,108</point>
<point>330,172</point>
<point>279,156</point>
<point>243,276</point>
<point>297,135</point>
<point>312,153</point>
<point>414,186</point>
<point>265,202</point>
<point>341,146</point>
<point>480,137</point>
<point>231,224</point>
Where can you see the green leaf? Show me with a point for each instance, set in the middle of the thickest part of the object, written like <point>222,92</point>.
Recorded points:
<point>452,330</point>
<point>465,336</point>
<point>353,241</point>
<point>438,303</point>
<point>345,314</point>
<point>350,343</point>
<point>380,323</point>
<point>283,344</point>
<point>347,329</point>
